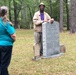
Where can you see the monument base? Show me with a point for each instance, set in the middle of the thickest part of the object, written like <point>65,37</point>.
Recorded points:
<point>52,56</point>
<point>62,51</point>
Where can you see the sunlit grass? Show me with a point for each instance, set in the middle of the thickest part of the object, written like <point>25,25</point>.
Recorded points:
<point>22,63</point>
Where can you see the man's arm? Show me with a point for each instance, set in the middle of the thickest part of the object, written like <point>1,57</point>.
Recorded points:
<point>36,21</point>
<point>51,20</point>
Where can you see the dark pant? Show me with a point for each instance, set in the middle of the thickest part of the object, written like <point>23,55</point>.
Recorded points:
<point>5,57</point>
<point>41,49</point>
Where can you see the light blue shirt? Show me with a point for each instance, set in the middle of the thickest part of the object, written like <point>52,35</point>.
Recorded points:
<point>5,31</point>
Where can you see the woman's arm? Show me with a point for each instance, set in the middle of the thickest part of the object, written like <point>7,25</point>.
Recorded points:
<point>13,36</point>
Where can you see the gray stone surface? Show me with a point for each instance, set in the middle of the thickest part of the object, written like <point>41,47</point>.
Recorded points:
<point>50,34</point>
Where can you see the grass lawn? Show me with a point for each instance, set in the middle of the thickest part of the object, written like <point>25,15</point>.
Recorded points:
<point>22,64</point>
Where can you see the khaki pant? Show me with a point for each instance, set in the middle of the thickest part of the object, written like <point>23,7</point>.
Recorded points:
<point>38,49</point>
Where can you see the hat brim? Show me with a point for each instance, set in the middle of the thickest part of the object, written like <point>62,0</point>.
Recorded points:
<point>41,4</point>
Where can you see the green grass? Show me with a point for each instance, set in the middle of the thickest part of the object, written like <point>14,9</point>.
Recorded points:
<point>22,63</point>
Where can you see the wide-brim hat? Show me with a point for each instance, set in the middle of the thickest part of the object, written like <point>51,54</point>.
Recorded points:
<point>41,4</point>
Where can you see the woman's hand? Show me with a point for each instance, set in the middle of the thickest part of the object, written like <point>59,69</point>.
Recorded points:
<point>13,36</point>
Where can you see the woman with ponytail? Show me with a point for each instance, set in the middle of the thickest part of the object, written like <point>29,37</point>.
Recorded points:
<point>7,38</point>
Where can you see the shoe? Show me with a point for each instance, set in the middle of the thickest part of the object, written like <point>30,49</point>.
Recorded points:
<point>36,58</point>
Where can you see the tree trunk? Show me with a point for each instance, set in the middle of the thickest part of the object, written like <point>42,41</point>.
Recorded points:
<point>30,17</point>
<point>67,11</point>
<point>10,10</point>
<point>15,14</point>
<point>5,2</point>
<point>73,17</point>
<point>50,7</point>
<point>39,0</point>
<point>61,15</point>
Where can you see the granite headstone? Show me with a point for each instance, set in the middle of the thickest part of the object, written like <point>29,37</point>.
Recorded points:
<point>50,36</point>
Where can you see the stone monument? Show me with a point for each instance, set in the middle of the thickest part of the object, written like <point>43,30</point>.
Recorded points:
<point>50,36</point>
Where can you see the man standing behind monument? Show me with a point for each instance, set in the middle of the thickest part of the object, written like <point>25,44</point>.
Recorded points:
<point>39,17</point>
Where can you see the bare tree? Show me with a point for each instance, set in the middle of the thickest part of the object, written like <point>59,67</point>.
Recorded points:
<point>50,6</point>
<point>61,15</point>
<point>73,17</point>
<point>10,10</point>
<point>67,11</point>
<point>15,13</point>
